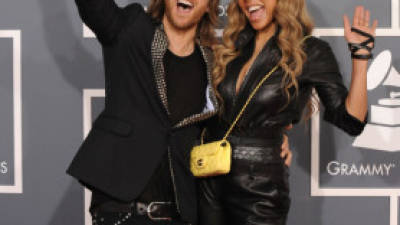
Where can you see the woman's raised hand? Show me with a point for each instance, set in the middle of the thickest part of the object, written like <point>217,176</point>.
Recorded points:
<point>361,22</point>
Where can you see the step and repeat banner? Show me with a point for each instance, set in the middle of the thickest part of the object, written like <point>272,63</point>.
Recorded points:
<point>51,89</point>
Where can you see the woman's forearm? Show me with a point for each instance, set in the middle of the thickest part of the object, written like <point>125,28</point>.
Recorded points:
<point>357,100</point>
<point>361,37</point>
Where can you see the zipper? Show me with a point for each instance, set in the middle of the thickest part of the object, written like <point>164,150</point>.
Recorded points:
<point>171,170</point>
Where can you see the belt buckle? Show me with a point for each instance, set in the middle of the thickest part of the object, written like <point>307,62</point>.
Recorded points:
<point>152,204</point>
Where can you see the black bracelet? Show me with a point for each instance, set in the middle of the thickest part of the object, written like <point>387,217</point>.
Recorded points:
<point>354,47</point>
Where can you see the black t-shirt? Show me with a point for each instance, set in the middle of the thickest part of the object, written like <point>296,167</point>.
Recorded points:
<point>186,84</point>
<point>186,79</point>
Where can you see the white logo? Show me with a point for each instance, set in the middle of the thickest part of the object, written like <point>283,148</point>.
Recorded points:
<point>383,131</point>
<point>17,168</point>
<point>336,168</point>
<point>223,10</point>
<point>3,167</point>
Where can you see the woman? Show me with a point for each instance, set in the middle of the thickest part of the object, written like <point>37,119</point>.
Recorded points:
<point>260,35</point>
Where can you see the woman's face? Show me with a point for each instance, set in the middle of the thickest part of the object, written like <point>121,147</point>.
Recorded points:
<point>258,12</point>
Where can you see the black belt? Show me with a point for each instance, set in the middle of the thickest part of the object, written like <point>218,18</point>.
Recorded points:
<point>153,210</point>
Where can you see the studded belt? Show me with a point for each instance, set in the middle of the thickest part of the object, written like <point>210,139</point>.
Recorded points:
<point>154,210</point>
<point>157,210</point>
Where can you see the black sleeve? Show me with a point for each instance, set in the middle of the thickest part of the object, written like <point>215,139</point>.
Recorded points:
<point>323,73</point>
<point>106,18</point>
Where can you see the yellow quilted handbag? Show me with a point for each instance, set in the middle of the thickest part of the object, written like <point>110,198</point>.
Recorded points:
<point>211,159</point>
<point>214,158</point>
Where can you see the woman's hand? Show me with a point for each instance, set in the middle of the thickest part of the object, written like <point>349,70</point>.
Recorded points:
<point>357,100</point>
<point>361,21</point>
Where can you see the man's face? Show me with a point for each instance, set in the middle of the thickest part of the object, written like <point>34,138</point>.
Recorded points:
<point>185,14</point>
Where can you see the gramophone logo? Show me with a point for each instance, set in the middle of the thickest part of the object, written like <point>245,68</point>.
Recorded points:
<point>383,131</point>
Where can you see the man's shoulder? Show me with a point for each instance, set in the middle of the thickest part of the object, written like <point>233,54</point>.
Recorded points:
<point>138,24</point>
<point>134,9</point>
<point>135,13</point>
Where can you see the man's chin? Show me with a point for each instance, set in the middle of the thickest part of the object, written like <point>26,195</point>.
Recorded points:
<point>182,25</point>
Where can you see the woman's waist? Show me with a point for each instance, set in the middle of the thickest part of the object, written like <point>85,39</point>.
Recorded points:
<point>249,141</point>
<point>261,136</point>
<point>252,149</point>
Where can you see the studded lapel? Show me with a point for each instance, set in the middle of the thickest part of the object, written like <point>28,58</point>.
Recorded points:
<point>159,47</point>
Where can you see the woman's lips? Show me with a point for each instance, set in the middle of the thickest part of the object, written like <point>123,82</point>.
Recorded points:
<point>255,15</point>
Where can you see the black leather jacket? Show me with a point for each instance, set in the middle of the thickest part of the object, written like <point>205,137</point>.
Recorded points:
<point>263,117</point>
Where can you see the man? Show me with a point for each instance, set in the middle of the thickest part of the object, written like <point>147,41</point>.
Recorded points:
<point>158,91</point>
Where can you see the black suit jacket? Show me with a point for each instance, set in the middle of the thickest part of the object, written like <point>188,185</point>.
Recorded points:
<point>129,138</point>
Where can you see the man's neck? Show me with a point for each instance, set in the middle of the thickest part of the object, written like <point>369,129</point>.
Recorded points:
<point>180,42</point>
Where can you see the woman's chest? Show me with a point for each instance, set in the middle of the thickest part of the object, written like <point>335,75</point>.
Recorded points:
<point>269,99</point>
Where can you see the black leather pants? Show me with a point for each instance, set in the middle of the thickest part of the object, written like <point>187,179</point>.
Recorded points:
<point>123,218</point>
<point>255,192</point>
<point>106,210</point>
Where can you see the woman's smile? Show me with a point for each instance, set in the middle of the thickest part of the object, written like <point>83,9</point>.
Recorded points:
<point>258,12</point>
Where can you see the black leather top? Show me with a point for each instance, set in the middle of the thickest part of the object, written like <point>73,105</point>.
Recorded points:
<point>263,117</point>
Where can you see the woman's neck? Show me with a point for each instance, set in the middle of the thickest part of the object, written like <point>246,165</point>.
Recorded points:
<point>262,36</point>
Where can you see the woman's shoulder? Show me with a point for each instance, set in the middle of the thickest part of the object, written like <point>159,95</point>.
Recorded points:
<point>318,49</point>
<point>315,43</point>
<point>320,55</point>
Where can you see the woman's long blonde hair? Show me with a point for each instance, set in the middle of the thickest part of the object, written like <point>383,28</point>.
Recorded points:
<point>294,22</point>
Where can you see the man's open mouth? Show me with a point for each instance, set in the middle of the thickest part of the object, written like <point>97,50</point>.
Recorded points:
<point>184,4</point>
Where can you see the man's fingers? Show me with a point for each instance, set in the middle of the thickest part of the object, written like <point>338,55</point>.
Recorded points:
<point>284,151</point>
<point>285,140</point>
<point>289,127</point>
<point>284,146</point>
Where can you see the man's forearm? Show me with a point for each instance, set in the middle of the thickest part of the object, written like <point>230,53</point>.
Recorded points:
<point>102,16</point>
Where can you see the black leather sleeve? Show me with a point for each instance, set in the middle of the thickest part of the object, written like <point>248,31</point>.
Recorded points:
<point>105,18</point>
<point>323,73</point>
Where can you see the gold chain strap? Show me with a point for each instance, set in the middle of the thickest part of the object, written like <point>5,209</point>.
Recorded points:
<point>251,96</point>
<point>244,106</point>
<point>248,101</point>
